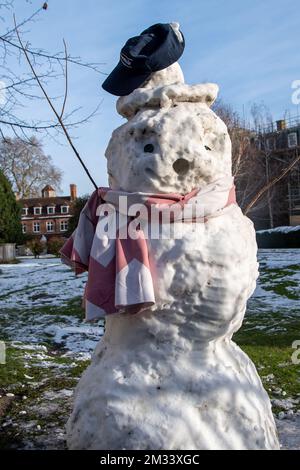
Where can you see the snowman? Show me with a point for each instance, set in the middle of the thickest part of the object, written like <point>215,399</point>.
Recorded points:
<point>167,375</point>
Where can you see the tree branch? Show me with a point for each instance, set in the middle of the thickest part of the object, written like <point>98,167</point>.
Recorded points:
<point>271,183</point>
<point>72,60</point>
<point>52,107</point>
<point>66,82</point>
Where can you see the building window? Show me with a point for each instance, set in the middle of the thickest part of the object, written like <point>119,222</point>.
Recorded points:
<point>292,140</point>
<point>257,143</point>
<point>36,227</point>
<point>24,228</point>
<point>51,210</point>
<point>37,210</point>
<point>24,210</point>
<point>50,226</point>
<point>64,209</point>
<point>270,143</point>
<point>64,226</point>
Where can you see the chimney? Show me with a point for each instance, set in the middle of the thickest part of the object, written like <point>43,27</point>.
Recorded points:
<point>73,191</point>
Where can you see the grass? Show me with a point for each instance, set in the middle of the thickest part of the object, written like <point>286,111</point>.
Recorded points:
<point>277,280</point>
<point>71,307</point>
<point>270,348</point>
<point>270,353</point>
<point>26,362</point>
<point>42,379</point>
<point>276,361</point>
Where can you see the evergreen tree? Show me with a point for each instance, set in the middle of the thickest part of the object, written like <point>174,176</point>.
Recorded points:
<point>77,207</point>
<point>10,213</point>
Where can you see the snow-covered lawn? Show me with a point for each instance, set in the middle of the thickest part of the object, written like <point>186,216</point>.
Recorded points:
<point>49,346</point>
<point>40,301</point>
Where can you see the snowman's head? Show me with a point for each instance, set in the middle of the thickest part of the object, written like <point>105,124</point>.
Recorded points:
<point>172,142</point>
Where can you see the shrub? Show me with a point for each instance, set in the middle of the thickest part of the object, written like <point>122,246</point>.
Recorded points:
<point>36,246</point>
<point>54,245</point>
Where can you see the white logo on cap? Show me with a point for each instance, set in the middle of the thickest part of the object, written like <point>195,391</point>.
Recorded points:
<point>127,61</point>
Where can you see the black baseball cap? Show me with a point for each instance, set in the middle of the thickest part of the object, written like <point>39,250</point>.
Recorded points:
<point>154,49</point>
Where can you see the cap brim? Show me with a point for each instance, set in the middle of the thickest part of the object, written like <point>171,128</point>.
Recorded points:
<point>123,80</point>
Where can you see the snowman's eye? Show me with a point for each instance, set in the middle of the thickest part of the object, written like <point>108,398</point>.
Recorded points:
<point>207,148</point>
<point>149,148</point>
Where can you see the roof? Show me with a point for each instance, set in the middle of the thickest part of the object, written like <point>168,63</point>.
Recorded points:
<point>45,201</point>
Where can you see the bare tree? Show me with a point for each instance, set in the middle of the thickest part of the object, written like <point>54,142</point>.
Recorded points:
<point>261,117</point>
<point>260,175</point>
<point>247,167</point>
<point>23,85</point>
<point>239,138</point>
<point>27,167</point>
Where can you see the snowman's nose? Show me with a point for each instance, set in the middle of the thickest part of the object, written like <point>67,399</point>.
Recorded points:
<point>181,166</point>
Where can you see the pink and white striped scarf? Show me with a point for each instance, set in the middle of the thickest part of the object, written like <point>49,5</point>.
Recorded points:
<point>120,271</point>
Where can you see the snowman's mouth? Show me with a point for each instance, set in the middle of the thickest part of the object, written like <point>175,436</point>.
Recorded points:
<point>181,166</point>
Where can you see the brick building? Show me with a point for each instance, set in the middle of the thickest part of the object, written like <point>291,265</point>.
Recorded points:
<point>280,145</point>
<point>47,215</point>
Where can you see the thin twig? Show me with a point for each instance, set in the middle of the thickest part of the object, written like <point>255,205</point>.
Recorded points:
<point>21,82</point>
<point>66,81</point>
<point>26,20</point>
<point>52,107</point>
<point>92,66</point>
<point>270,184</point>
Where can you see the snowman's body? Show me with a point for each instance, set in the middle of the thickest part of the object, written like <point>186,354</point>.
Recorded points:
<point>170,377</point>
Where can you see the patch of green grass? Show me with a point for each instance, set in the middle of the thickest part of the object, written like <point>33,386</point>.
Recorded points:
<point>271,350</point>
<point>43,379</point>
<point>28,288</point>
<point>276,280</point>
<point>277,361</point>
<point>13,371</point>
<point>69,307</point>
<point>283,289</point>
<point>63,375</point>
<point>269,329</point>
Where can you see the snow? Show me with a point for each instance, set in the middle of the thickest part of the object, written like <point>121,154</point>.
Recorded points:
<point>75,338</point>
<point>276,264</point>
<point>174,367</point>
<point>42,281</point>
<point>279,258</point>
<point>289,432</point>
<point>285,404</point>
<point>29,339</point>
<point>30,287</point>
<point>282,229</point>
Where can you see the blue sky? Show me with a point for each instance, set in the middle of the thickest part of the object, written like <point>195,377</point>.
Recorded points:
<point>250,48</point>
